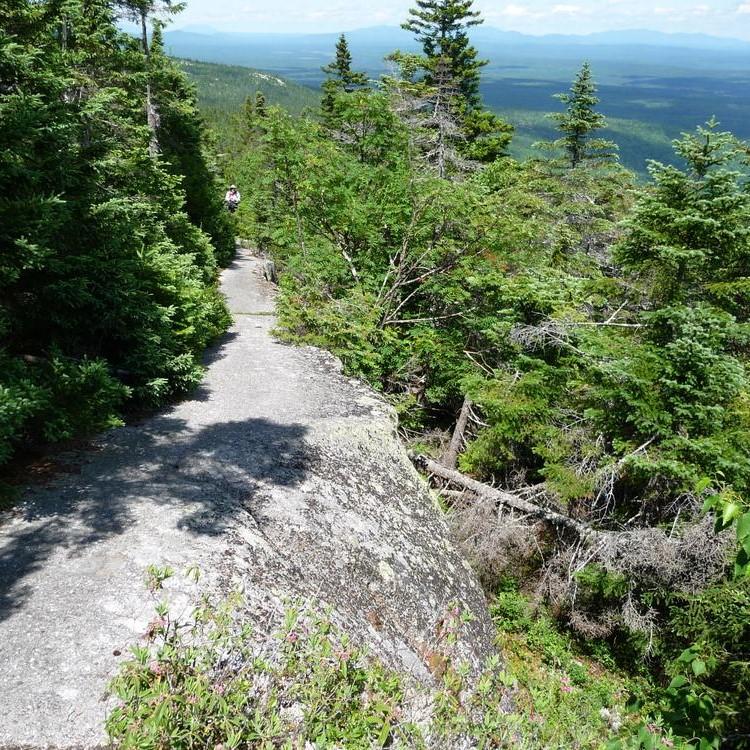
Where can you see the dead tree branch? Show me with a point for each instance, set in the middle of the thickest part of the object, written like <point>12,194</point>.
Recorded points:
<point>586,533</point>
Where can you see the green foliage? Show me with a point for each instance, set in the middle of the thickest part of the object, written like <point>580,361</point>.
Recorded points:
<point>580,120</point>
<point>571,699</point>
<point>488,136</point>
<point>446,99</point>
<point>209,681</point>
<point>341,80</point>
<point>107,285</point>
<point>185,152</point>
<point>201,684</point>
<point>688,237</point>
<point>600,331</point>
<point>440,26</point>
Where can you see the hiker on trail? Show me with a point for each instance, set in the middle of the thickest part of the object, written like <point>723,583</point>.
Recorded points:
<point>232,198</point>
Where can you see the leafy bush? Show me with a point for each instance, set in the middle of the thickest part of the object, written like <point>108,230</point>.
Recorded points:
<point>107,279</point>
<point>210,682</point>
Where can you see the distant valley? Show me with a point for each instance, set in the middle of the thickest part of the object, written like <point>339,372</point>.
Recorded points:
<point>652,85</point>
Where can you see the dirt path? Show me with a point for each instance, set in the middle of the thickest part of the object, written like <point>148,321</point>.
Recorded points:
<point>279,474</point>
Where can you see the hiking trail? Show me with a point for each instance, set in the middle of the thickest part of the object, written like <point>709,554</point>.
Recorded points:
<point>279,475</point>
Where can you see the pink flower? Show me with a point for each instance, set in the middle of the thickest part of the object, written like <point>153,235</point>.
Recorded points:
<point>155,627</point>
<point>292,637</point>
<point>157,667</point>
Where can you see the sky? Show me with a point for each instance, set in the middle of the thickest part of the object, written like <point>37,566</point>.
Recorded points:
<point>718,17</point>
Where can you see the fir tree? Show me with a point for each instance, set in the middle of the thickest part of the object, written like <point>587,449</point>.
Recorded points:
<point>341,68</point>
<point>182,142</point>
<point>341,78</point>
<point>581,120</point>
<point>689,236</point>
<point>440,26</point>
<point>102,272</point>
<point>254,109</point>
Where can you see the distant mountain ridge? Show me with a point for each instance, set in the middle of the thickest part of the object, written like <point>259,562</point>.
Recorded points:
<point>222,89</point>
<point>394,34</point>
<point>290,54</point>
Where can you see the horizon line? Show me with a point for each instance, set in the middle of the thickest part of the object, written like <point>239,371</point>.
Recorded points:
<point>207,29</point>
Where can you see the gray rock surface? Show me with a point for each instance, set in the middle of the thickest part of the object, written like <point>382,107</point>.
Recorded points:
<point>279,475</point>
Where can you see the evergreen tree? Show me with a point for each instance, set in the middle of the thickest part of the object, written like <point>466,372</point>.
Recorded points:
<point>248,113</point>
<point>140,11</point>
<point>440,26</point>
<point>341,77</point>
<point>689,237</point>
<point>438,134</point>
<point>182,142</point>
<point>487,136</point>
<point>254,112</point>
<point>341,68</point>
<point>581,120</point>
<point>103,276</point>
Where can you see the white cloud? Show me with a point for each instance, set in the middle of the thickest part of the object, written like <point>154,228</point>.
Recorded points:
<point>744,8</point>
<point>518,11</point>
<point>566,9</point>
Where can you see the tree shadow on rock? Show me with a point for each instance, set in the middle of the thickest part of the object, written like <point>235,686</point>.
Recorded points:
<point>159,472</point>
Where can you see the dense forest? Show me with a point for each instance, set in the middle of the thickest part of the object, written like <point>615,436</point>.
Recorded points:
<point>547,327</point>
<point>111,223</point>
<point>567,349</point>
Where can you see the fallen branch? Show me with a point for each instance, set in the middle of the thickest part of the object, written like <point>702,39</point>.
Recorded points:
<point>457,494</point>
<point>407,321</point>
<point>586,533</point>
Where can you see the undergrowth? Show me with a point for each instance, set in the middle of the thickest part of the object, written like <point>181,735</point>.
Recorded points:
<point>207,682</point>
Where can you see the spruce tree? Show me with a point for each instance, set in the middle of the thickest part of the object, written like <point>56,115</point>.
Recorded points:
<point>341,78</point>
<point>440,26</point>
<point>102,273</point>
<point>341,68</point>
<point>182,142</point>
<point>581,120</point>
<point>688,238</point>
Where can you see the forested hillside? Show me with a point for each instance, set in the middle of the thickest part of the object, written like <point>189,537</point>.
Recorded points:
<point>111,223</point>
<point>223,89</point>
<point>568,351</point>
<point>653,85</point>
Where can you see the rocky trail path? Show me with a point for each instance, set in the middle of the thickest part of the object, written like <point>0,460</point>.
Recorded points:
<point>279,475</point>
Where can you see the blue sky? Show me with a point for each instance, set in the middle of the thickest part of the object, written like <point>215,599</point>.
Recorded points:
<point>720,17</point>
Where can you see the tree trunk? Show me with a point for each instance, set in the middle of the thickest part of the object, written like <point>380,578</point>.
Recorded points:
<point>152,116</point>
<point>450,457</point>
